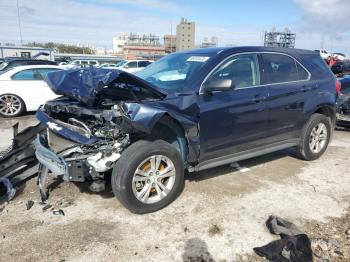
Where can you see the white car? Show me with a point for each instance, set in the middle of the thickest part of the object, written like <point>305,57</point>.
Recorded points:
<point>23,89</point>
<point>133,66</point>
<point>80,64</point>
<point>323,53</point>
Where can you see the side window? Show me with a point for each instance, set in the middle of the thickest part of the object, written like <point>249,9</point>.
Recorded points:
<point>242,70</point>
<point>302,73</point>
<point>131,65</point>
<point>43,71</point>
<point>143,63</point>
<point>279,68</point>
<point>24,75</point>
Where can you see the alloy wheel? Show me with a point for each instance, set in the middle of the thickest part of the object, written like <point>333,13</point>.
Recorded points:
<point>10,105</point>
<point>153,179</point>
<point>318,138</point>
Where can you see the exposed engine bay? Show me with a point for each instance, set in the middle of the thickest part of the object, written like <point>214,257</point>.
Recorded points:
<point>95,135</point>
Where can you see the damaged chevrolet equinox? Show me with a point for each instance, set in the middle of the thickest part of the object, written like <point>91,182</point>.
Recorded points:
<point>187,112</point>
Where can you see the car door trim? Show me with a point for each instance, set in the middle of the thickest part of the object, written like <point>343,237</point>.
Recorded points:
<point>251,153</point>
<point>201,92</point>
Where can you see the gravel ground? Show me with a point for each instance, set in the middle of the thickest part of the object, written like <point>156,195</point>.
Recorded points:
<point>219,216</point>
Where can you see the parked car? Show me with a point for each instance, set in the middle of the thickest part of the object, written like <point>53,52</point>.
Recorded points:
<point>109,65</point>
<point>80,64</point>
<point>340,67</point>
<point>23,89</point>
<point>343,103</point>
<point>339,56</point>
<point>9,63</point>
<point>146,129</point>
<point>323,53</point>
<point>133,66</point>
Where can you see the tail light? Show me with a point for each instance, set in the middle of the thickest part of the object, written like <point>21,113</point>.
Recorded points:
<point>338,87</point>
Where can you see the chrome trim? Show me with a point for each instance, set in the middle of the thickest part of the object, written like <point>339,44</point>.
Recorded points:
<point>201,92</point>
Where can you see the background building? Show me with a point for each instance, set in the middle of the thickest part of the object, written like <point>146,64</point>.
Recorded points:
<point>185,35</point>
<point>170,43</point>
<point>209,42</point>
<point>279,39</point>
<point>133,46</point>
<point>25,52</point>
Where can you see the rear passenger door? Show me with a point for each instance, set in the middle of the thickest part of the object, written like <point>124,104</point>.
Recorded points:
<point>288,87</point>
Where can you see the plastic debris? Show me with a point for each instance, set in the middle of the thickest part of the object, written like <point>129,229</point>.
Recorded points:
<point>29,204</point>
<point>58,212</point>
<point>10,191</point>
<point>47,207</point>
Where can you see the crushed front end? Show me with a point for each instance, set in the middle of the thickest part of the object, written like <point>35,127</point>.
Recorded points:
<point>80,144</point>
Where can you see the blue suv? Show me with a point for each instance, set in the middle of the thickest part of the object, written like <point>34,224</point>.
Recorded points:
<point>189,111</point>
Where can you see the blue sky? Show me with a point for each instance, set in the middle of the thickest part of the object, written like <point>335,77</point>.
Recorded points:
<point>95,22</point>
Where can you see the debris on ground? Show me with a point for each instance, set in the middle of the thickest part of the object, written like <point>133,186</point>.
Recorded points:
<point>47,207</point>
<point>214,230</point>
<point>8,190</point>
<point>59,212</point>
<point>294,245</point>
<point>30,204</point>
<point>331,241</point>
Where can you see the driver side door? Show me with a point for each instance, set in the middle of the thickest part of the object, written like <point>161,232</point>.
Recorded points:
<point>235,120</point>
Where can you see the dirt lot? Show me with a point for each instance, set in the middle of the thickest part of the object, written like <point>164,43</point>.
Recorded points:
<point>219,216</point>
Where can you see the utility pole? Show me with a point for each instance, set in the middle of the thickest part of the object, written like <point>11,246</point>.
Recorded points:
<point>19,23</point>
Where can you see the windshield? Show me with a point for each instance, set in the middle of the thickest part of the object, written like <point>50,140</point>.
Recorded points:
<point>3,65</point>
<point>121,63</point>
<point>174,71</point>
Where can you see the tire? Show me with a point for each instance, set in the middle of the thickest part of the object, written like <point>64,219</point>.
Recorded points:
<point>11,105</point>
<point>136,157</point>
<point>307,148</point>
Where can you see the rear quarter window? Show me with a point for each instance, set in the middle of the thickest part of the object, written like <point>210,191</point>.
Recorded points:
<point>318,67</point>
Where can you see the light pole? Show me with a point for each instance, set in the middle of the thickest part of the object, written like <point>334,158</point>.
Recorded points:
<point>19,24</point>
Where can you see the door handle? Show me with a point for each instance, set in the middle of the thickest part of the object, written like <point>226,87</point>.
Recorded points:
<point>258,99</point>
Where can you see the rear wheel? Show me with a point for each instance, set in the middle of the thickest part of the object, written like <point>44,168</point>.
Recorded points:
<point>315,137</point>
<point>148,176</point>
<point>11,105</point>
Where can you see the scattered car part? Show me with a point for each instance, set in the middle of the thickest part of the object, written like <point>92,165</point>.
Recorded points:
<point>59,212</point>
<point>294,245</point>
<point>30,204</point>
<point>10,192</point>
<point>46,207</point>
<point>21,153</point>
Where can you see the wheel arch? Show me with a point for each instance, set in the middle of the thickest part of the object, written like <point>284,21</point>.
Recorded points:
<point>171,131</point>
<point>328,111</point>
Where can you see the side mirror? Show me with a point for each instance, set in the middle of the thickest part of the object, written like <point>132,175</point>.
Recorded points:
<point>218,84</point>
<point>126,66</point>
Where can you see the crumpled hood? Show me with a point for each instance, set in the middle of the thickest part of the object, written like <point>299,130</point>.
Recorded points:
<point>84,84</point>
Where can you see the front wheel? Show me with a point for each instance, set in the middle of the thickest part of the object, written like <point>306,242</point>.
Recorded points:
<point>148,176</point>
<point>315,137</point>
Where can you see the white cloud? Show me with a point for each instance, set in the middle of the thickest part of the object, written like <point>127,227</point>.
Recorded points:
<point>326,16</point>
<point>69,21</point>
